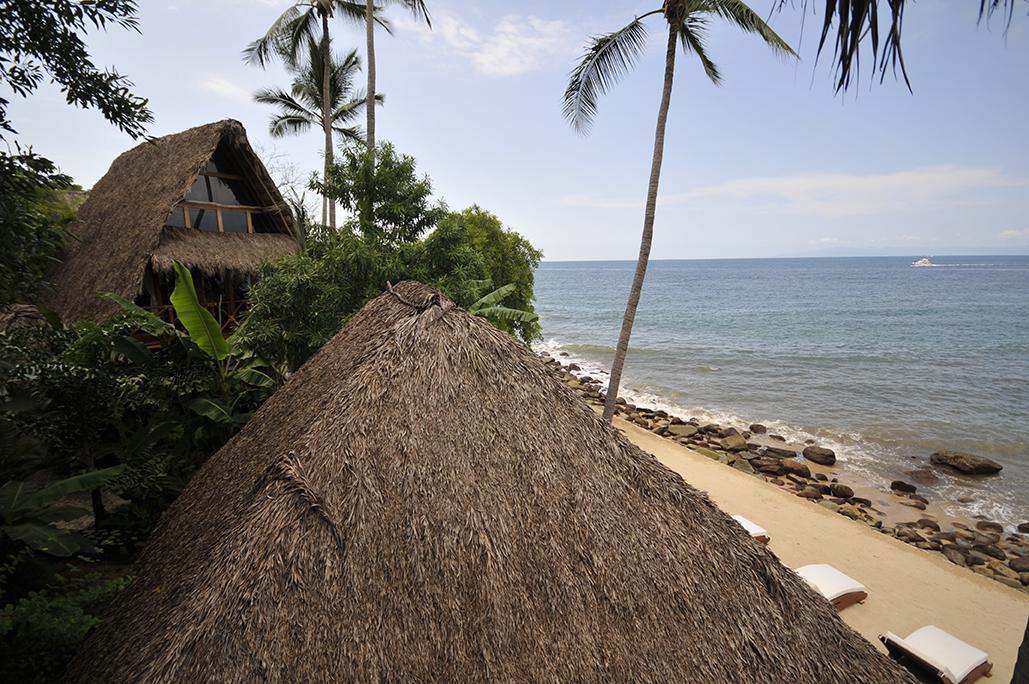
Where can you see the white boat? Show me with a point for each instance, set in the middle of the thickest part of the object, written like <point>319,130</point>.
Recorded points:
<point>922,263</point>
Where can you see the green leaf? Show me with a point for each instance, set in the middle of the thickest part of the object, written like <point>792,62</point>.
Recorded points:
<point>43,537</point>
<point>198,321</point>
<point>72,485</point>
<point>13,498</point>
<point>493,298</point>
<point>503,313</point>
<point>151,323</point>
<point>252,376</point>
<point>209,408</point>
<point>133,350</point>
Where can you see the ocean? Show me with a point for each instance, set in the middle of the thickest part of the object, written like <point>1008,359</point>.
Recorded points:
<point>882,362</point>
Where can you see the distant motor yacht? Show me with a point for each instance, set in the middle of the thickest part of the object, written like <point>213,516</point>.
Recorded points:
<point>922,263</point>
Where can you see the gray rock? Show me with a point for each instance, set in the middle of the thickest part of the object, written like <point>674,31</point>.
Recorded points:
<point>841,490</point>
<point>732,443</point>
<point>902,486</point>
<point>923,476</point>
<point>966,463</point>
<point>1020,564</point>
<point>830,505</point>
<point>758,429</point>
<point>743,466</point>
<point>928,524</point>
<point>820,455</point>
<point>989,526</point>
<point>781,451</point>
<point>1024,528</point>
<point>795,467</point>
<point>954,556</point>
<point>684,430</point>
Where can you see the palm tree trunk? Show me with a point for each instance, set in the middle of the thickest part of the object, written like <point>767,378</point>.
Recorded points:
<point>648,230</point>
<point>326,111</point>
<point>369,21</point>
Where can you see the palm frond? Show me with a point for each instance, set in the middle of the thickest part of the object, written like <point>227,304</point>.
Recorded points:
<point>419,10</point>
<point>260,51</point>
<point>693,35</point>
<point>850,24</point>
<point>282,125</point>
<point>739,13</point>
<point>350,133</point>
<point>607,59</point>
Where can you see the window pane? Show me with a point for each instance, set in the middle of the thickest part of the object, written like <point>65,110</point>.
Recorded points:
<point>220,190</point>
<point>234,221</point>
<point>204,219</point>
<point>175,218</point>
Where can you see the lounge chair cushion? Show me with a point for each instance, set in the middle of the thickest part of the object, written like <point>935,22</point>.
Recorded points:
<point>752,529</point>
<point>829,581</point>
<point>952,657</point>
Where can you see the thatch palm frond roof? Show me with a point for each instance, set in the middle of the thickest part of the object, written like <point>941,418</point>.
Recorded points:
<point>214,253</point>
<point>120,224</point>
<point>423,501</point>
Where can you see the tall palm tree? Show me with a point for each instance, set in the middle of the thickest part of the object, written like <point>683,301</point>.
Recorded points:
<point>420,11</point>
<point>301,24</point>
<point>302,107</point>
<point>607,59</point>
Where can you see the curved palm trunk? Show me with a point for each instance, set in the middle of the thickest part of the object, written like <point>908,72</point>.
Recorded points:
<point>327,113</point>
<point>369,22</point>
<point>648,230</point>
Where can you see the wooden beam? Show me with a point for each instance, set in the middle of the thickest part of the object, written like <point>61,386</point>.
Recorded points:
<point>198,204</point>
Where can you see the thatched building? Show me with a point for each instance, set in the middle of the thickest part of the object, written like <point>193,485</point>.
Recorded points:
<point>423,501</point>
<point>201,197</point>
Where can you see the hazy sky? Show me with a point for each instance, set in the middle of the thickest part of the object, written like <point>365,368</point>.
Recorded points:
<point>770,164</point>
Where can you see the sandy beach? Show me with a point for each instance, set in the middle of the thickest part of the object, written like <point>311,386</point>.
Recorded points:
<point>908,587</point>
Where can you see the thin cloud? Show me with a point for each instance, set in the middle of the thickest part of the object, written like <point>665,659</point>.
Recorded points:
<point>1013,234</point>
<point>839,194</point>
<point>516,45</point>
<point>226,88</point>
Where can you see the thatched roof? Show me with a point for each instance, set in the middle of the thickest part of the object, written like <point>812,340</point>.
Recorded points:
<point>216,252</point>
<point>18,316</point>
<point>119,225</point>
<point>423,501</point>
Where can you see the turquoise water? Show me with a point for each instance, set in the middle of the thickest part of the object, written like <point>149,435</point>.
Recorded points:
<point>883,362</point>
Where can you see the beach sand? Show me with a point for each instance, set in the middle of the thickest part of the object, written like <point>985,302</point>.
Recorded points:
<point>907,587</point>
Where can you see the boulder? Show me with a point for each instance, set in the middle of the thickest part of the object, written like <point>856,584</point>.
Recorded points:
<point>1024,528</point>
<point>758,429</point>
<point>704,451</point>
<point>795,467</point>
<point>928,524</point>
<point>770,466</point>
<point>990,550</point>
<point>954,556</point>
<point>732,443</point>
<point>743,466</point>
<point>1020,564</point>
<point>923,476</point>
<point>860,500</point>
<point>902,486</point>
<point>781,451</point>
<point>841,490</point>
<point>830,505</point>
<point>684,430</point>
<point>913,504</point>
<point>820,455</point>
<point>966,463</point>
<point>777,438</point>
<point>989,526</point>
<point>728,432</point>
<point>851,511</point>
<point>810,493</point>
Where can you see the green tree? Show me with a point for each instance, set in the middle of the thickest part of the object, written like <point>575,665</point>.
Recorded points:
<point>389,201</point>
<point>290,37</point>
<point>607,59</point>
<point>300,109</point>
<point>472,247</point>
<point>40,38</point>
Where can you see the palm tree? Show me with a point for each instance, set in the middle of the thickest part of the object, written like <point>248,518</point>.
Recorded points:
<point>290,35</point>
<point>606,60</point>
<point>418,8</point>
<point>302,107</point>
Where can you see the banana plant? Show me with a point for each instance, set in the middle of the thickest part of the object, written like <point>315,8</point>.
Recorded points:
<point>233,363</point>
<point>489,307</point>
<point>28,512</point>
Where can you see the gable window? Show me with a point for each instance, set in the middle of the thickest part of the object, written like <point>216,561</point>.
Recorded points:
<point>220,202</point>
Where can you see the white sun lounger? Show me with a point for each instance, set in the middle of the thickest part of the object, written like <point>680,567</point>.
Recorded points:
<point>842,590</point>
<point>934,650</point>
<point>756,532</point>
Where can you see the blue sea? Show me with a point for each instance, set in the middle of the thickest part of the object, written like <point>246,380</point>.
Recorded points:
<point>880,361</point>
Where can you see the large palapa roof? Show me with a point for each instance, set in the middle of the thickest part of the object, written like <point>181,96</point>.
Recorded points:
<point>120,226</point>
<point>424,501</point>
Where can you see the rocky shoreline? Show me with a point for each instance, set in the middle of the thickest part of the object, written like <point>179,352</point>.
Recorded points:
<point>806,470</point>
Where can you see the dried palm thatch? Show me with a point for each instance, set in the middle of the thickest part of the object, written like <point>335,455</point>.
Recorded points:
<point>119,226</point>
<point>213,253</point>
<point>423,501</point>
<point>20,316</point>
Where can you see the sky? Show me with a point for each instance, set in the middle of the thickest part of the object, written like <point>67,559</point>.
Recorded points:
<point>772,163</point>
